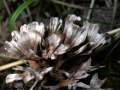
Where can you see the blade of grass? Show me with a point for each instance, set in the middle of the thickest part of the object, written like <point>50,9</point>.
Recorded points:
<point>115,31</point>
<point>90,10</point>
<point>18,11</point>
<point>7,7</point>
<point>13,64</point>
<point>114,11</point>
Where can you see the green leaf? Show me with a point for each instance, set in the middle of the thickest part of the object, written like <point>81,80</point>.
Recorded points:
<point>18,11</point>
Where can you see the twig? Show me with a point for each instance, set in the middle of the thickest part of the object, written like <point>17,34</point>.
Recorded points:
<point>16,63</point>
<point>108,3</point>
<point>67,4</point>
<point>114,11</point>
<point>7,8</point>
<point>114,31</point>
<point>35,83</point>
<point>90,10</point>
<point>74,5</point>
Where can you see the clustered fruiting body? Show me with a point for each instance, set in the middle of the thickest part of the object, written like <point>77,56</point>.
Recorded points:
<point>56,51</point>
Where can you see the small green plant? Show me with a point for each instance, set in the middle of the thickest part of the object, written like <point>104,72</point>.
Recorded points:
<point>16,14</point>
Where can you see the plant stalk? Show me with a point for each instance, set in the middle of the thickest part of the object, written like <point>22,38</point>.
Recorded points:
<point>13,64</point>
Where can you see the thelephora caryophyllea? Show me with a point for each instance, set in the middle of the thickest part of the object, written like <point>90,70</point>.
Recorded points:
<point>58,51</point>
